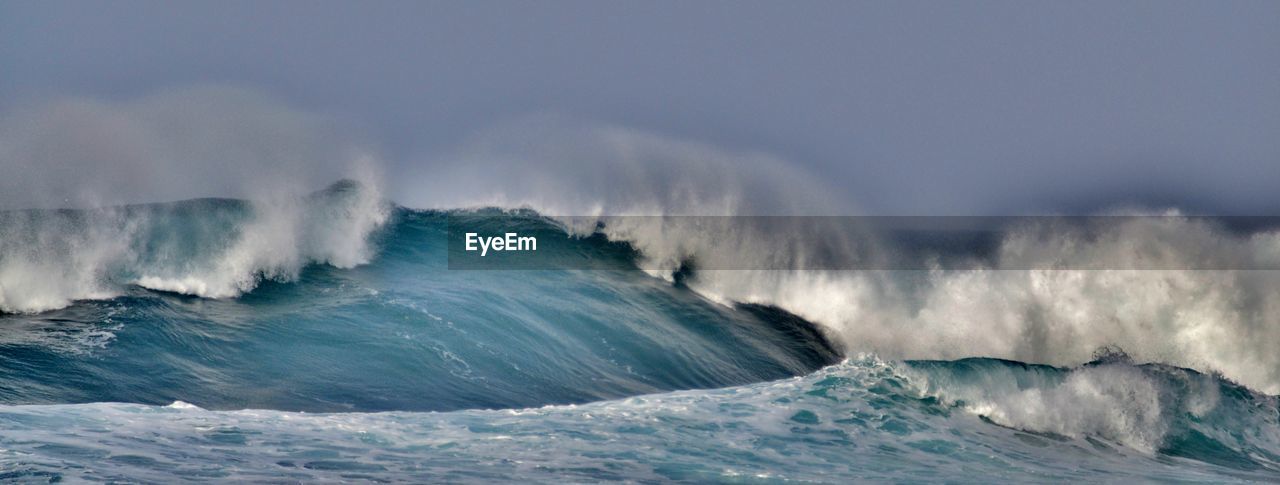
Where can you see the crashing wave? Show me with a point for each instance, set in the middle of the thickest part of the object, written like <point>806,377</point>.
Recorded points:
<point>1044,296</point>
<point>213,248</point>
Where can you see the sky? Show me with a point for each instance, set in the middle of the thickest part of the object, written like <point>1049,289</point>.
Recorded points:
<point>904,107</point>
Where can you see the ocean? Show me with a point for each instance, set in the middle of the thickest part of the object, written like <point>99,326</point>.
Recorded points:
<point>326,338</point>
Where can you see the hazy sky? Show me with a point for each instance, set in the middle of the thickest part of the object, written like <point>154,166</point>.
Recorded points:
<point>928,107</point>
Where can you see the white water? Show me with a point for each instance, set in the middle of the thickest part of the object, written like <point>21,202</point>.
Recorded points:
<point>48,260</point>
<point>1225,321</point>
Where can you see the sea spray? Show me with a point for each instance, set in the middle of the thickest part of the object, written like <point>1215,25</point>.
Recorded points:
<point>213,248</point>
<point>1049,293</point>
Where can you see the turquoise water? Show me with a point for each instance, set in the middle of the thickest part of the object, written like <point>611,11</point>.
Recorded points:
<point>859,419</point>
<point>392,367</point>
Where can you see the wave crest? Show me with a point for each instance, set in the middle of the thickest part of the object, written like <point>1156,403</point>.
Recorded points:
<point>214,248</point>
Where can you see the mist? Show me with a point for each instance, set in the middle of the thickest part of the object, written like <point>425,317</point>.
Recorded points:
<point>988,108</point>
<point>175,144</point>
<point>567,166</point>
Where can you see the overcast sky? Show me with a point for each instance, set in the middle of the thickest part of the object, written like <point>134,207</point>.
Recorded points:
<point>926,107</point>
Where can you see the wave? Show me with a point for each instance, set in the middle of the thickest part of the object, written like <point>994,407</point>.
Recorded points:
<point>213,248</point>
<point>402,332</point>
<point>1044,295</point>
<point>1152,408</point>
<point>1027,302</point>
<point>370,282</point>
<point>1213,320</point>
<point>862,419</point>
<point>516,340</point>
<point>311,333</point>
<point>1018,304</point>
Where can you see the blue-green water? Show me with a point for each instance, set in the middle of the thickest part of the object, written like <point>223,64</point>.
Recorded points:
<point>383,364</point>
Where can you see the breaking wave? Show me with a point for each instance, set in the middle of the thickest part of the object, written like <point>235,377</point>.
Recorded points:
<point>311,334</point>
<point>214,248</point>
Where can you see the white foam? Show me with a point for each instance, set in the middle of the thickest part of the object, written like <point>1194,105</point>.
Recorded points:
<point>282,237</point>
<point>1118,403</point>
<point>1227,321</point>
<point>52,260</point>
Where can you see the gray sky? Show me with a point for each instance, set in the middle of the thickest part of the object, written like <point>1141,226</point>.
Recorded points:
<point>930,107</point>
